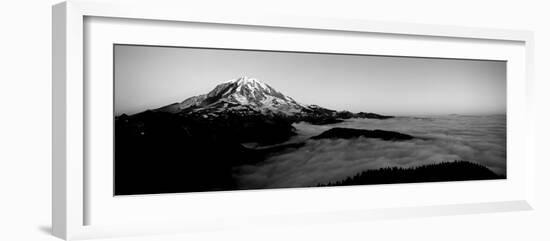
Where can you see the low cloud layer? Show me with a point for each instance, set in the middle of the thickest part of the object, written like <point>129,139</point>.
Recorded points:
<point>470,138</point>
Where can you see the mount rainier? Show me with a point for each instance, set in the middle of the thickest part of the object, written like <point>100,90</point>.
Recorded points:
<point>241,94</point>
<point>250,96</point>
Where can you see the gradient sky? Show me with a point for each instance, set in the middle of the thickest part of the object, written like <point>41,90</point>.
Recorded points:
<point>148,77</point>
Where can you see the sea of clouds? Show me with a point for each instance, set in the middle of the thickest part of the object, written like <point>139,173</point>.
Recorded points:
<point>480,139</point>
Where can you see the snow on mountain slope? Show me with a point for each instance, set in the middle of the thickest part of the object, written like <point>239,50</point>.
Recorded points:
<point>241,94</point>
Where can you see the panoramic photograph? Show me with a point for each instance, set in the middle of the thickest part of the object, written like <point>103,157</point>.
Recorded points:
<point>204,119</point>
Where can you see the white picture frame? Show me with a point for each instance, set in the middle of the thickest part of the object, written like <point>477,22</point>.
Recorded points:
<point>74,198</point>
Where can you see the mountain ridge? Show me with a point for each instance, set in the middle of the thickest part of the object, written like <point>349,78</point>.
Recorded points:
<point>235,93</point>
<point>250,96</point>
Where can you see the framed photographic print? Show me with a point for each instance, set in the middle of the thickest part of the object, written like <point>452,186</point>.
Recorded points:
<point>242,133</point>
<point>170,120</point>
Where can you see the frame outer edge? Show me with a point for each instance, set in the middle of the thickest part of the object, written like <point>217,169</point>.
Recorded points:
<point>166,10</point>
<point>68,101</point>
<point>59,101</point>
<point>74,120</point>
<point>531,119</point>
<point>67,120</point>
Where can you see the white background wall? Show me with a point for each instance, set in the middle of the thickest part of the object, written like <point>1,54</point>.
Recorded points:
<point>25,119</point>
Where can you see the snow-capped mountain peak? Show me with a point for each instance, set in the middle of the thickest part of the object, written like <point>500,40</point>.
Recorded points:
<point>245,80</point>
<point>251,86</point>
<point>243,93</point>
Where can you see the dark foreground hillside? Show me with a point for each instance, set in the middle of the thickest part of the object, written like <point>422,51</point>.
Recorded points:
<point>445,171</point>
<point>160,152</point>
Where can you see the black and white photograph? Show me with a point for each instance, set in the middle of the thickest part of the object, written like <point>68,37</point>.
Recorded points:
<point>203,119</point>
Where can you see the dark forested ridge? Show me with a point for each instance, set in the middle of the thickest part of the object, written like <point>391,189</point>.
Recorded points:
<point>158,152</point>
<point>347,133</point>
<point>445,171</point>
